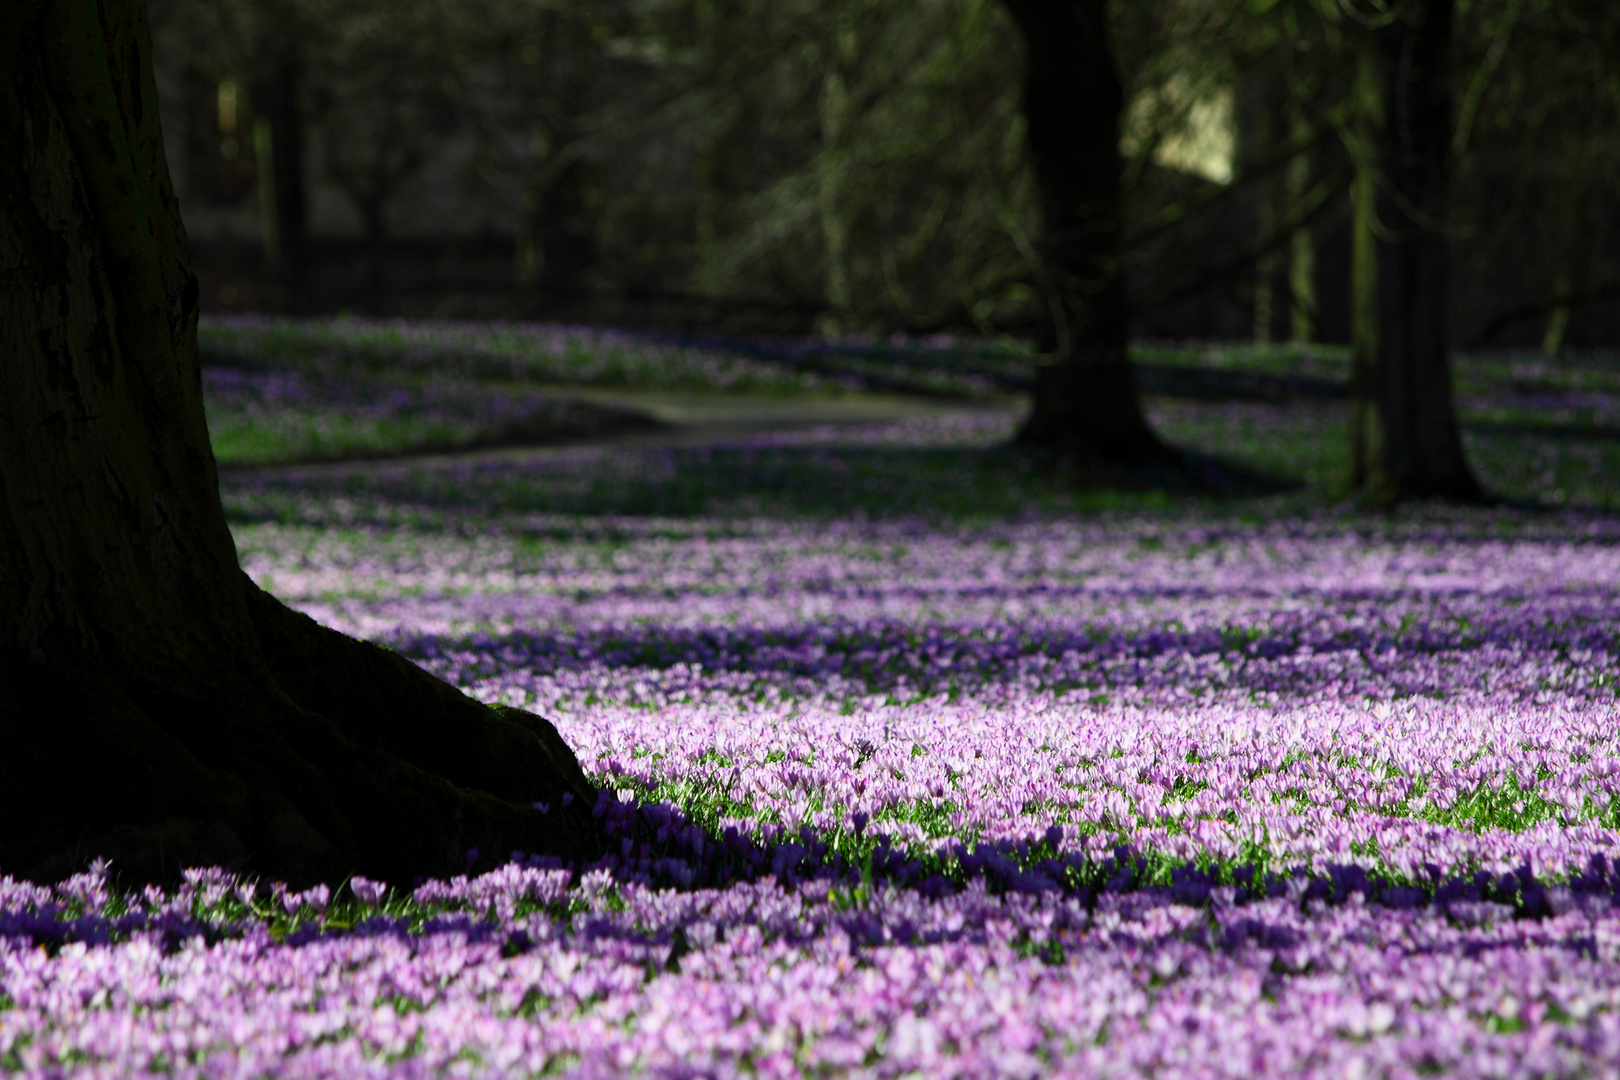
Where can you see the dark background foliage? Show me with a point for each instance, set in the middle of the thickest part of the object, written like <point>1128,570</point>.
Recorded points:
<point>854,166</point>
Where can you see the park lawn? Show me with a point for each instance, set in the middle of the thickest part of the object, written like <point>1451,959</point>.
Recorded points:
<point>283,391</point>
<point>914,761</point>
<point>260,416</point>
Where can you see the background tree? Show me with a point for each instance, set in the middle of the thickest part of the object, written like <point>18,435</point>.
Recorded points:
<point>858,161</point>
<point>1537,147</point>
<point>157,706</point>
<point>278,89</point>
<point>386,89</point>
<point>558,104</point>
<point>1403,424</point>
<point>250,54</point>
<point>1085,402</point>
<point>775,165</point>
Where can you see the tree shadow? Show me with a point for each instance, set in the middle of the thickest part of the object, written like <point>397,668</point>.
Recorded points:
<point>1572,432</point>
<point>641,897</point>
<point>1361,641</point>
<point>1179,472</point>
<point>747,478</point>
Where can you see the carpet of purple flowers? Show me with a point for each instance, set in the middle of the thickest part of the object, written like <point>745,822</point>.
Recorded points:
<point>1196,790</point>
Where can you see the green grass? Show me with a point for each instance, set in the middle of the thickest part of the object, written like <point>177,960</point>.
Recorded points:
<point>1310,441</point>
<point>317,434</point>
<point>578,356</point>
<point>1527,444</point>
<point>1284,358</point>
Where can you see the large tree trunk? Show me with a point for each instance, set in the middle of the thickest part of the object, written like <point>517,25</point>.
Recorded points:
<point>1405,441</point>
<point>155,706</point>
<point>1086,404</point>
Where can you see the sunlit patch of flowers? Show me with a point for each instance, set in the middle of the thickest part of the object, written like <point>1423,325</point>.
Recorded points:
<point>813,963</point>
<point>1188,793</point>
<point>1288,694</point>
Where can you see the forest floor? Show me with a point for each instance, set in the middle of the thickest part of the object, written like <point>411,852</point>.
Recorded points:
<point>916,760</point>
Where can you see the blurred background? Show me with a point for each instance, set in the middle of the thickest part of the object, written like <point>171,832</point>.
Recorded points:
<point>853,167</point>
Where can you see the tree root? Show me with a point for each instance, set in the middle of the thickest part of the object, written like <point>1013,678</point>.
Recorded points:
<point>321,757</point>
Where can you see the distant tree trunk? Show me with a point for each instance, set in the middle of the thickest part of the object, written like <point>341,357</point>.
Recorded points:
<point>557,241</point>
<point>277,101</point>
<point>1261,101</point>
<point>1086,405</point>
<point>373,206</point>
<point>156,706</point>
<point>831,170</point>
<point>1405,441</point>
<point>1552,343</point>
<point>1301,246</point>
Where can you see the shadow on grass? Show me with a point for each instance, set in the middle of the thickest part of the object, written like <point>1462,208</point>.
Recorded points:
<point>658,845</point>
<point>1195,475</point>
<point>1364,642</point>
<point>1577,432</point>
<point>740,480</point>
<point>806,884</point>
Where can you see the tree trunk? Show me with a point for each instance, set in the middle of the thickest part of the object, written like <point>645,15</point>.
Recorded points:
<point>1086,405</point>
<point>1404,429</point>
<point>372,203</point>
<point>832,168</point>
<point>1302,245</point>
<point>1261,99</point>
<point>155,706</point>
<point>277,99</point>
<point>564,228</point>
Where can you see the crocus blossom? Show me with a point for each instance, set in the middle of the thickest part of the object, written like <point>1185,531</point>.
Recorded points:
<point>1134,794</point>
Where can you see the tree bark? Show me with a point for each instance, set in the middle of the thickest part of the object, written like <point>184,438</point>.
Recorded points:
<point>1085,405</point>
<point>155,706</point>
<point>1405,440</point>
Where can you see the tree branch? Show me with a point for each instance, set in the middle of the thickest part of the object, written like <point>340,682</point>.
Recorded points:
<point>1540,307</point>
<point>1214,191</point>
<point>1311,208</point>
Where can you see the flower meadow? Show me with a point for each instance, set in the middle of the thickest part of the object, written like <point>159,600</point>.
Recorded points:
<point>1022,787</point>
